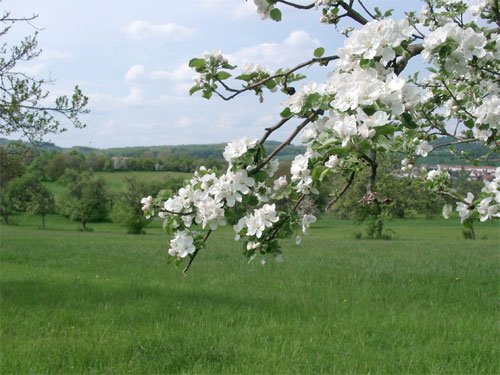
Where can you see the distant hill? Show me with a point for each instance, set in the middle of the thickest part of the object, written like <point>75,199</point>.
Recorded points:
<point>201,151</point>
<point>214,151</point>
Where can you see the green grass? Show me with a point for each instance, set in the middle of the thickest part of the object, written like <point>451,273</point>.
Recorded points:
<point>116,180</point>
<point>106,302</point>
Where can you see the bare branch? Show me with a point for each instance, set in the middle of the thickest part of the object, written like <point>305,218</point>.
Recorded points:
<point>287,141</point>
<point>270,130</point>
<point>192,256</point>
<point>298,6</point>
<point>366,10</point>
<point>342,192</point>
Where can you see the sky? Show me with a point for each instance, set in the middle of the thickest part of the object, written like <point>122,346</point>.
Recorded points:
<point>130,58</point>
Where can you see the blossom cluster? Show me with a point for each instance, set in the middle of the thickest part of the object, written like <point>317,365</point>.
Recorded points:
<point>204,202</point>
<point>487,205</point>
<point>365,106</point>
<point>377,40</point>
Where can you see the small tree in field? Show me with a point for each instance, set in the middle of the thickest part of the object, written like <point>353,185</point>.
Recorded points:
<point>41,203</point>
<point>368,106</point>
<point>127,209</point>
<point>26,193</point>
<point>87,198</point>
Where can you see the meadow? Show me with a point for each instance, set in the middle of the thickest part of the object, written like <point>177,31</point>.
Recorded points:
<point>107,302</point>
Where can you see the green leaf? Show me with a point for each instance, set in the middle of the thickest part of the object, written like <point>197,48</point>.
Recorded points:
<point>399,50</point>
<point>275,14</point>
<point>244,77</point>
<point>313,101</point>
<point>408,121</point>
<point>223,75</point>
<point>318,52</point>
<point>317,172</point>
<point>340,151</point>
<point>271,84</point>
<point>164,194</point>
<point>286,113</point>
<point>207,94</point>
<point>385,130</point>
<point>260,176</point>
<point>445,51</point>
<point>365,63</point>
<point>196,63</point>
<point>193,89</point>
<point>228,66</point>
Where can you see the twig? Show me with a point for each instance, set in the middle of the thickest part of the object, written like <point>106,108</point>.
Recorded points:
<point>192,256</point>
<point>298,6</point>
<point>286,142</point>
<point>236,92</point>
<point>366,10</point>
<point>270,130</point>
<point>343,191</point>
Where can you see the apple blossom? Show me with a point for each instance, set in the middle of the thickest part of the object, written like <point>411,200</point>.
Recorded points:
<point>367,105</point>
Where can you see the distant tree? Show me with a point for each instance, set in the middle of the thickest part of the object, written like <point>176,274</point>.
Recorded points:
<point>96,161</point>
<point>39,165</point>
<point>87,198</point>
<point>26,193</point>
<point>6,206</point>
<point>11,167</point>
<point>42,202</point>
<point>127,209</point>
<point>396,197</point>
<point>57,165</point>
<point>24,107</point>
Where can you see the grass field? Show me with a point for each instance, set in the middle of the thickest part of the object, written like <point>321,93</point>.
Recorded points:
<point>106,302</point>
<point>115,181</point>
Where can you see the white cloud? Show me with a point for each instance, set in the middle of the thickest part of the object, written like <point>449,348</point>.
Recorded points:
<point>299,45</point>
<point>134,73</point>
<point>243,10</point>
<point>182,73</point>
<point>31,70</point>
<point>135,96</point>
<point>142,29</point>
<point>185,122</point>
<point>55,55</point>
<point>236,12</point>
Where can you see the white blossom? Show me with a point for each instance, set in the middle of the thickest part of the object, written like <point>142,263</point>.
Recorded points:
<point>423,149</point>
<point>238,148</point>
<point>486,210</point>
<point>264,8</point>
<point>332,161</point>
<point>447,209</point>
<point>182,244</point>
<point>280,183</point>
<point>146,203</point>
<point>464,209</point>
<point>307,220</point>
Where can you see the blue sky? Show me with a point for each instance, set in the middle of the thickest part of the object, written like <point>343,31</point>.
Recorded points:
<point>131,58</point>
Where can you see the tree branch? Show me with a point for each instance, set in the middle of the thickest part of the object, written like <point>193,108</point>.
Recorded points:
<point>317,60</point>
<point>298,6</point>
<point>192,256</point>
<point>286,142</point>
<point>270,130</point>
<point>352,13</point>
<point>414,50</point>
<point>342,192</point>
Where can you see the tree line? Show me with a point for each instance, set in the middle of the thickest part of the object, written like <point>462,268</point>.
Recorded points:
<point>87,199</point>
